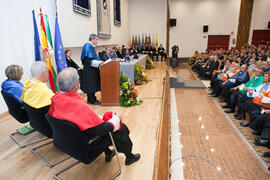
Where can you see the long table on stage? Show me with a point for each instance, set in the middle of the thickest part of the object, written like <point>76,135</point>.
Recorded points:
<point>128,68</point>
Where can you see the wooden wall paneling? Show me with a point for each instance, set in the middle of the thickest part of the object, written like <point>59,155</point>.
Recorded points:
<point>260,37</point>
<point>244,22</point>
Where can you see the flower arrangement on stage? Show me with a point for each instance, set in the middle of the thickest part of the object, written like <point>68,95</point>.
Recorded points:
<point>129,96</point>
<point>139,75</point>
<point>149,63</point>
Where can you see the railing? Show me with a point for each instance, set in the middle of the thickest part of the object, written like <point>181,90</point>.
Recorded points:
<point>161,171</point>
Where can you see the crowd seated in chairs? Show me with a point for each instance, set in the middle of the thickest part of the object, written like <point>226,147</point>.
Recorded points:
<point>242,81</point>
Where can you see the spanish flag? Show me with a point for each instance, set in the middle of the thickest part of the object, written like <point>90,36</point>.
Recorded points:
<point>46,53</point>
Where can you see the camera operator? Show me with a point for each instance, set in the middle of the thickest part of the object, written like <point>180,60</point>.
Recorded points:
<point>175,50</point>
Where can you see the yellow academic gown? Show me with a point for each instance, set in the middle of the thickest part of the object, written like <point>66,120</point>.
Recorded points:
<point>36,94</point>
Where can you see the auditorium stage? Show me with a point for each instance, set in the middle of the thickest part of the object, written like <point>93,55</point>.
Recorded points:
<point>142,120</point>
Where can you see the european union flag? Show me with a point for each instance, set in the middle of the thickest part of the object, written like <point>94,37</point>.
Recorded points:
<point>36,40</point>
<point>60,58</point>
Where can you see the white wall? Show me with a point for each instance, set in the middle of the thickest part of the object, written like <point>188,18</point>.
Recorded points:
<point>76,28</point>
<point>221,17</point>
<point>17,34</point>
<point>149,16</point>
<point>260,16</point>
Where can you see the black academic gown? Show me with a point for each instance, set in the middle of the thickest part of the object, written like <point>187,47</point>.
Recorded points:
<point>71,63</point>
<point>119,55</point>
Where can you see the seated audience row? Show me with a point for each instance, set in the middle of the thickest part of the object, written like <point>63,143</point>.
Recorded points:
<point>241,79</point>
<point>122,52</point>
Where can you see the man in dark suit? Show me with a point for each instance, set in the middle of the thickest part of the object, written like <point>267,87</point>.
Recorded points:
<point>210,66</point>
<point>162,52</point>
<point>106,55</point>
<point>124,51</point>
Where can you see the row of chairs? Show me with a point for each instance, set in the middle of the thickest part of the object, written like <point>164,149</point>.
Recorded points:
<point>66,136</point>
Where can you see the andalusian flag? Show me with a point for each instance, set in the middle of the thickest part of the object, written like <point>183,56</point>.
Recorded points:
<point>156,43</point>
<point>60,57</point>
<point>46,54</point>
<point>36,40</point>
<point>139,42</point>
<point>50,45</point>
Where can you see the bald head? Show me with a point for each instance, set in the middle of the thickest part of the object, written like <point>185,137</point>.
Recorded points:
<point>68,80</point>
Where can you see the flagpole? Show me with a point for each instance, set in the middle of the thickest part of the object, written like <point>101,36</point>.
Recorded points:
<point>56,8</point>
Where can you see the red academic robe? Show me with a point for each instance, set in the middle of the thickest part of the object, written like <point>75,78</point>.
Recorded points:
<point>72,107</point>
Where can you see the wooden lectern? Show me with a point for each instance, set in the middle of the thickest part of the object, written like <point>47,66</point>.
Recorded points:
<point>110,84</point>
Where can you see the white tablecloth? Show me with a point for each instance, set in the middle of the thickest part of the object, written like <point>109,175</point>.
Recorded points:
<point>128,67</point>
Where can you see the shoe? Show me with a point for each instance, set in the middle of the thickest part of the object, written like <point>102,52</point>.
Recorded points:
<point>225,106</point>
<point>262,142</point>
<point>243,125</point>
<point>211,93</point>
<point>94,103</point>
<point>266,154</point>
<point>214,95</point>
<point>238,117</point>
<point>229,111</point>
<point>108,157</point>
<point>133,159</point>
<point>256,133</point>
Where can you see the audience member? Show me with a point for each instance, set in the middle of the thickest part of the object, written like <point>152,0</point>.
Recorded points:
<point>35,92</point>
<point>12,84</point>
<point>70,106</point>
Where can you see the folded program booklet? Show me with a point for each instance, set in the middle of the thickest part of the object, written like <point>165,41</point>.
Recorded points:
<point>26,129</point>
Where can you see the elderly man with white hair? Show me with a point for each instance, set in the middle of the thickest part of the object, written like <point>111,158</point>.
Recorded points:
<point>35,92</point>
<point>70,106</point>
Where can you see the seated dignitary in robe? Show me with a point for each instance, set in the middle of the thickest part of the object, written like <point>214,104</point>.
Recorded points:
<point>70,106</point>
<point>219,84</point>
<point>35,92</point>
<point>221,73</point>
<point>259,101</point>
<point>242,89</point>
<point>241,77</point>
<point>12,84</point>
